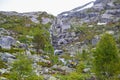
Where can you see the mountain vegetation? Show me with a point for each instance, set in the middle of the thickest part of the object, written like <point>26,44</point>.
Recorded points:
<point>80,44</point>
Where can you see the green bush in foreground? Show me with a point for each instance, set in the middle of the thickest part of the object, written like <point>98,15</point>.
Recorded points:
<point>106,59</point>
<point>22,70</point>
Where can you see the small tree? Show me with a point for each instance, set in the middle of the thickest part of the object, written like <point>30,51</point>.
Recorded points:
<point>42,40</point>
<point>39,42</point>
<point>22,70</point>
<point>106,60</point>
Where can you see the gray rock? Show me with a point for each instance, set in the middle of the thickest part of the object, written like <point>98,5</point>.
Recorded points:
<point>3,32</point>
<point>62,41</point>
<point>95,40</point>
<point>10,60</point>
<point>3,78</point>
<point>46,20</point>
<point>58,52</point>
<point>86,70</point>
<point>2,71</point>
<point>6,56</point>
<point>24,46</point>
<point>45,70</point>
<point>54,66</point>
<point>7,41</point>
<point>63,61</point>
<point>33,19</point>
<point>28,53</point>
<point>66,69</point>
<point>73,34</point>
<point>52,78</point>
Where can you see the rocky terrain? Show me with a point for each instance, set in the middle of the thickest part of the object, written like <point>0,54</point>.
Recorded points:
<point>66,41</point>
<point>70,26</point>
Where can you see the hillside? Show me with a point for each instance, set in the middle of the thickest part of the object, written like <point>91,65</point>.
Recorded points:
<point>40,46</point>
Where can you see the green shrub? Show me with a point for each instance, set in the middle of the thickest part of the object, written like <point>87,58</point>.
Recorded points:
<point>22,69</point>
<point>12,50</point>
<point>2,64</point>
<point>43,64</point>
<point>106,59</point>
<point>74,76</point>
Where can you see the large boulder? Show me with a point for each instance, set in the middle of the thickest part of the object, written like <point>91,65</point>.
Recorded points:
<point>7,41</point>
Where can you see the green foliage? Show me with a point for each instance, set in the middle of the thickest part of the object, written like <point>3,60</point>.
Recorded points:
<point>39,42</point>
<point>80,67</point>
<point>106,59</point>
<point>22,69</point>
<point>23,39</point>
<point>66,56</point>
<point>13,21</point>
<point>85,31</point>
<point>2,64</point>
<point>117,2</point>
<point>74,76</point>
<point>54,59</point>
<point>43,64</point>
<point>45,15</point>
<point>12,50</point>
<point>42,40</point>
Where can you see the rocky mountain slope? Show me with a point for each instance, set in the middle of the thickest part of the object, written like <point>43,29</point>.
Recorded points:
<point>56,46</point>
<point>102,12</point>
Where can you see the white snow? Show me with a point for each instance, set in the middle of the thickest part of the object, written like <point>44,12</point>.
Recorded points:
<point>88,6</point>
